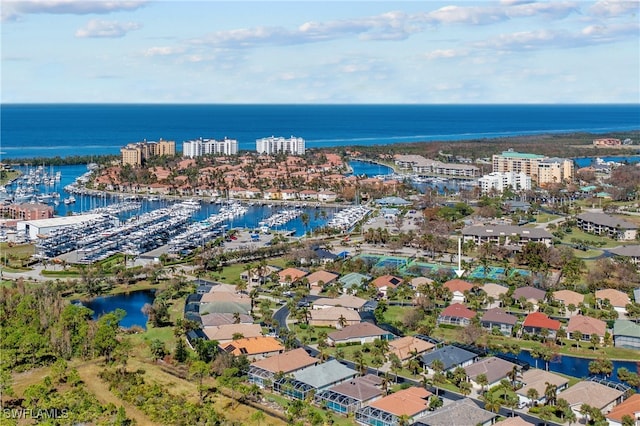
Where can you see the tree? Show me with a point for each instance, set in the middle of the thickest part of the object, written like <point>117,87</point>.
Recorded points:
<point>533,394</point>
<point>396,364</point>
<point>104,340</point>
<point>157,349</point>
<point>492,402</point>
<point>482,380</point>
<point>550,393</point>
<point>594,340</point>
<point>180,353</point>
<point>198,371</point>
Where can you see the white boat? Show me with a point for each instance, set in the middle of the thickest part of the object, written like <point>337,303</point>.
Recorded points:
<point>70,200</point>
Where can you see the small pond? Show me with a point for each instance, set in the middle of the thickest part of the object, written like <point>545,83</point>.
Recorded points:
<point>131,303</point>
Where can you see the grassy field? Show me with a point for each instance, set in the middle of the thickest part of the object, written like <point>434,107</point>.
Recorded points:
<point>581,235</point>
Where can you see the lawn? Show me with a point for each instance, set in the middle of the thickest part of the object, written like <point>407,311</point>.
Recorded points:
<point>581,235</point>
<point>546,217</point>
<point>395,313</point>
<point>230,274</point>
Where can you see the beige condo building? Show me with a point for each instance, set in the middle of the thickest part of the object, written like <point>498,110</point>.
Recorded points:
<point>542,170</point>
<point>135,154</point>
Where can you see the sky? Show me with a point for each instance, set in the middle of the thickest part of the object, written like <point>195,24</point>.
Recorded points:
<point>325,52</point>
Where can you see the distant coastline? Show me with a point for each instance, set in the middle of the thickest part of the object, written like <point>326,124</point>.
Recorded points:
<point>570,144</point>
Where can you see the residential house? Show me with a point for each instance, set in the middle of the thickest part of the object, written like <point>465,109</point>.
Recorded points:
<point>458,288</point>
<point>460,412</point>
<point>271,194</point>
<point>216,319</point>
<point>514,421</point>
<point>327,196</point>
<point>263,372</point>
<point>226,332</point>
<point>538,379</point>
<point>607,225</point>
<point>495,369</point>
<point>254,347</point>
<point>258,275</point>
<point>386,283</point>
<point>316,379</point>
<point>456,314</point>
<point>353,281</point>
<point>626,334</point>
<point>597,395</point>
<point>630,407</point>
<point>364,332</point>
<point>291,275</point>
<point>450,356</point>
<point>345,300</point>
<point>321,278</point>
<point>587,326</point>
<point>409,403</point>
<point>568,297</point>
<point>631,252</point>
<point>409,346</point>
<point>225,302</point>
<point>536,322</point>
<point>337,317</point>
<point>617,298</point>
<point>289,194</point>
<point>418,282</point>
<point>493,292</point>
<point>308,194</point>
<point>349,396</point>
<point>530,294</point>
<point>498,318</point>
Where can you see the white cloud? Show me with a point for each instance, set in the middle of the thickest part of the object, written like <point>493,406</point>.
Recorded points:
<point>14,10</point>
<point>607,8</point>
<point>551,39</point>
<point>106,29</point>
<point>446,54</point>
<point>163,51</point>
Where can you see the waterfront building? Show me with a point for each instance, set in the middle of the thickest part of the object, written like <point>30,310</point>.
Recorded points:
<point>607,142</point>
<point>27,211</point>
<point>542,170</point>
<point>597,395</point>
<point>506,235</point>
<point>276,145</point>
<point>499,181</point>
<point>428,167</point>
<point>41,228</point>
<point>137,153</point>
<point>200,147</point>
<point>607,225</point>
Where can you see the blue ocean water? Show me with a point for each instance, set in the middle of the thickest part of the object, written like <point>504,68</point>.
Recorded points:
<point>49,130</point>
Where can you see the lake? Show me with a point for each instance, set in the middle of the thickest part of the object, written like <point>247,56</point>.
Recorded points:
<point>575,366</point>
<point>131,303</point>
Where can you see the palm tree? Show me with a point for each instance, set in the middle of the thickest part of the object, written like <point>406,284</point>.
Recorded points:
<point>483,381</point>
<point>492,402</point>
<point>533,394</point>
<point>550,393</point>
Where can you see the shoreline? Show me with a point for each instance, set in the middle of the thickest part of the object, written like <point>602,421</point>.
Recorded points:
<point>516,139</point>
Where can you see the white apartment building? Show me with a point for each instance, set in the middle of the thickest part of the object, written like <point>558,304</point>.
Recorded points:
<point>275,145</point>
<point>200,147</point>
<point>542,170</point>
<point>499,181</point>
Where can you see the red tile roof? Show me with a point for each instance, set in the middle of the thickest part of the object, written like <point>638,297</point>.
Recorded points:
<point>630,407</point>
<point>458,310</point>
<point>540,320</point>
<point>458,285</point>
<point>387,281</point>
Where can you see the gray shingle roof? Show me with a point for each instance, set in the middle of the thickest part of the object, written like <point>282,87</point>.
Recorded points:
<point>461,412</point>
<point>607,220</point>
<point>505,230</point>
<point>322,375</point>
<point>449,355</point>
